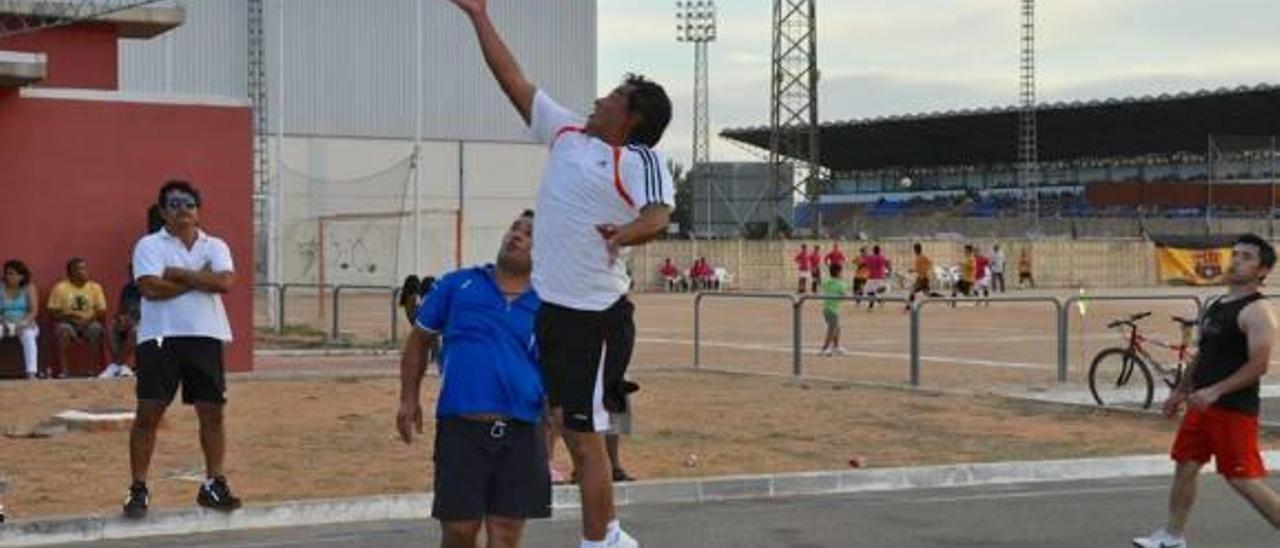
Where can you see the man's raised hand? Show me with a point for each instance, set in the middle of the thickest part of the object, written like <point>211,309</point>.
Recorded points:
<point>471,7</point>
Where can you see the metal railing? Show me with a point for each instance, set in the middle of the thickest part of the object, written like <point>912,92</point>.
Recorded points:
<point>921,304</point>
<point>334,332</point>
<point>1064,321</point>
<point>797,358</point>
<point>697,315</point>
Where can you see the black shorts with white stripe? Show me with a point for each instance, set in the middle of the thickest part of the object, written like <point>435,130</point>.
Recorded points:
<point>584,357</point>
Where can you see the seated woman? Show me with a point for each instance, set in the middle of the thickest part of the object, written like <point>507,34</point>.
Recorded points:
<point>18,311</point>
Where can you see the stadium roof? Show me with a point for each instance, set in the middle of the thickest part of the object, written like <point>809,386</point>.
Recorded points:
<point>1068,131</point>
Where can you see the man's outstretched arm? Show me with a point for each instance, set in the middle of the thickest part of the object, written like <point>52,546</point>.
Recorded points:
<point>500,60</point>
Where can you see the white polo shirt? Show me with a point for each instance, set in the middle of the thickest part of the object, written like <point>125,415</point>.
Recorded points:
<point>587,182</point>
<point>191,314</point>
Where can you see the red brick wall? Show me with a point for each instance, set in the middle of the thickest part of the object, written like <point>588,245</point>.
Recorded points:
<point>79,56</point>
<point>76,178</point>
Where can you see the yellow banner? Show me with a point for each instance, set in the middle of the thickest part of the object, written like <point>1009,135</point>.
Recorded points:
<point>1180,266</point>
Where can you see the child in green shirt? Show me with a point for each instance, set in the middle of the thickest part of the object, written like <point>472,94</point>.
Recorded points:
<point>833,286</point>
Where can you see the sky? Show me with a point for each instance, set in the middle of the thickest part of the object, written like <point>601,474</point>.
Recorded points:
<point>887,57</point>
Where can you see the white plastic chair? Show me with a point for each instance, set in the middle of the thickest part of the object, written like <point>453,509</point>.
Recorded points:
<point>723,277</point>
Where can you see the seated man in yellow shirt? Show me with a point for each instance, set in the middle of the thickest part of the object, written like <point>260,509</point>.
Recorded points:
<point>79,309</point>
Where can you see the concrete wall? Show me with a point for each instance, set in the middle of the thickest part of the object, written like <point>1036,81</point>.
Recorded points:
<point>78,174</point>
<point>334,176</point>
<point>767,266</point>
<point>932,227</point>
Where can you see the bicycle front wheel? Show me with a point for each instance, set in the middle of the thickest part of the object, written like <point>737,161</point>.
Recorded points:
<point>1118,377</point>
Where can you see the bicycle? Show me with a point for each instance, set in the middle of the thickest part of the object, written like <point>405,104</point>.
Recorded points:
<point>1111,374</point>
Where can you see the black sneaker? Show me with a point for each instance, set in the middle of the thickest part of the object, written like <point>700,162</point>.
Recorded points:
<point>135,503</point>
<point>217,495</point>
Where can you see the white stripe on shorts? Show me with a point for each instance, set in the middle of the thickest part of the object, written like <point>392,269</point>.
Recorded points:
<point>600,415</point>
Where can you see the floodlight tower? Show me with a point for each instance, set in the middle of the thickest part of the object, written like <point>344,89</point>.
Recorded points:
<point>1028,170</point>
<point>696,24</point>
<point>793,112</point>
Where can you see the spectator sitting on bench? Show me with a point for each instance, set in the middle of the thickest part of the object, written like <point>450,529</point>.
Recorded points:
<point>670,275</point>
<point>79,310</point>
<point>18,300</point>
<point>123,341</point>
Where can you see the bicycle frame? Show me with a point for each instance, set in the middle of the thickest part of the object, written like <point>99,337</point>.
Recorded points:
<point>1169,375</point>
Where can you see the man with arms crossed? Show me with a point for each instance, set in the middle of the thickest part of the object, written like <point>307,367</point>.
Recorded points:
<point>490,455</point>
<point>1221,392</point>
<point>181,272</point>
<point>603,190</point>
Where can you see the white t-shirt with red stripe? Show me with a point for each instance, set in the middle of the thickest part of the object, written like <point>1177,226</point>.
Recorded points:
<point>587,182</point>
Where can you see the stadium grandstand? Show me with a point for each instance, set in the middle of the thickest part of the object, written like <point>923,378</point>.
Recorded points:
<point>1187,155</point>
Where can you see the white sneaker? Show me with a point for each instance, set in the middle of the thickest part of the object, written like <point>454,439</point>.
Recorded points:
<point>1160,539</point>
<point>824,352</point>
<point>124,371</point>
<point>621,540</point>
<point>111,371</point>
<point>840,351</point>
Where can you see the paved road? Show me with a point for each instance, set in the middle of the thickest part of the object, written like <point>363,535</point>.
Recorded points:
<point>1065,515</point>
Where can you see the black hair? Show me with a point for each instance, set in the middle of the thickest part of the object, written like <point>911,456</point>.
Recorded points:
<point>21,268</point>
<point>1266,253</point>
<point>836,269</point>
<point>527,213</point>
<point>178,185</point>
<point>650,101</point>
<point>155,221</point>
<point>919,248</point>
<point>411,287</point>
<point>428,284</point>
<point>71,264</point>
<point>875,249</point>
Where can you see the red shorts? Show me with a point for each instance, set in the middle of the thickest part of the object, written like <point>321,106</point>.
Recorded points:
<point>1230,437</point>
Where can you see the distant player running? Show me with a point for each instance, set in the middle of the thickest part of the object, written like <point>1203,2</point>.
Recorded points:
<point>1221,392</point>
<point>968,274</point>
<point>923,270</point>
<point>603,190</point>
<point>859,274</point>
<point>877,277</point>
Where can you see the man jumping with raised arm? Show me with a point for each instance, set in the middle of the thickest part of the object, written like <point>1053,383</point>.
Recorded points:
<point>603,191</point>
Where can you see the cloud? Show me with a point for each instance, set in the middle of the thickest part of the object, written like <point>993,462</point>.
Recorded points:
<point>885,57</point>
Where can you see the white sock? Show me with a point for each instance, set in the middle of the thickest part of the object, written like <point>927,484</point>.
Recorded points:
<point>592,544</point>
<point>611,530</point>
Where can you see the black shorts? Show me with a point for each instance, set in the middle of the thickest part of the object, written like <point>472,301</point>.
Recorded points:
<point>921,286</point>
<point>584,356</point>
<point>193,362</point>
<point>484,469</point>
<point>964,287</point>
<point>858,284</point>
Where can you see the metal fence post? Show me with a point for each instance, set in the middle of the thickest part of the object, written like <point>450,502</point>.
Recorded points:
<point>395,314</point>
<point>915,342</point>
<point>697,331</point>
<point>337,292</point>
<point>1062,340</point>
<point>280,310</point>
<point>797,361</point>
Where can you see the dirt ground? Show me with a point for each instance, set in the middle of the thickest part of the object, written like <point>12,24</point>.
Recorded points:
<point>334,437</point>
<point>981,348</point>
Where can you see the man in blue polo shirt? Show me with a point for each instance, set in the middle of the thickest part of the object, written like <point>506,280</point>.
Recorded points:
<point>490,453</point>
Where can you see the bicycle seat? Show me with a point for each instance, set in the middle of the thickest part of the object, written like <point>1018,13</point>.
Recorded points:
<point>1131,320</point>
<point>1184,322</point>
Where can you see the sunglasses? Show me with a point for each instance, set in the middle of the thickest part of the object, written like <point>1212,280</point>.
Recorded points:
<point>182,203</point>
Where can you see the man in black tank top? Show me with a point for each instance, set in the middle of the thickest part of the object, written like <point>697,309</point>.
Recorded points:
<point>1220,392</point>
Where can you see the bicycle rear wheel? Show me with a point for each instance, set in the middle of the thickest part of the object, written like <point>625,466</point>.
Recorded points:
<point>1118,377</point>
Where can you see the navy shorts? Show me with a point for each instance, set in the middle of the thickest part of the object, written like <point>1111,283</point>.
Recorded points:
<point>488,468</point>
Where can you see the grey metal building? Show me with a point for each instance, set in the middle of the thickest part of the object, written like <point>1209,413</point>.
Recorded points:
<point>349,70</point>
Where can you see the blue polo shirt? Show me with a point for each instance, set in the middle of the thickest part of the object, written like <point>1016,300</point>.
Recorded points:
<point>489,359</point>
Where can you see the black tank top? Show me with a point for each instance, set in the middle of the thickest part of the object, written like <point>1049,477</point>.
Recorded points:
<point>1224,349</point>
